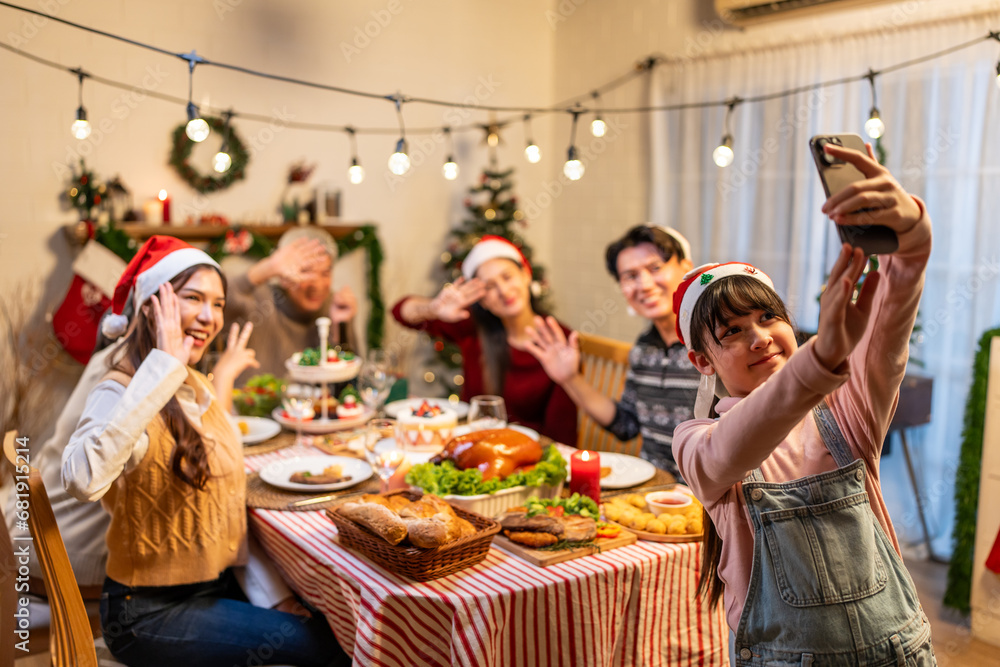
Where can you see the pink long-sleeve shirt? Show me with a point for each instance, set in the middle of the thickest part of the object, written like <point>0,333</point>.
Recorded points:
<point>773,427</point>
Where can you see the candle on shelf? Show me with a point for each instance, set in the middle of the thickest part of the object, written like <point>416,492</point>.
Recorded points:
<point>585,474</point>
<point>152,212</point>
<point>165,200</point>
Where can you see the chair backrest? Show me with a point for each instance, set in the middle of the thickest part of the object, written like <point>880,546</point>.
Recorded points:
<point>8,600</point>
<point>71,638</point>
<point>605,363</point>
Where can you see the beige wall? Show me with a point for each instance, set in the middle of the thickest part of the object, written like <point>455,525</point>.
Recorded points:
<point>535,53</point>
<point>431,48</point>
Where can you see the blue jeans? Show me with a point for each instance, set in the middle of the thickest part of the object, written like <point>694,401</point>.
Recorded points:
<point>211,624</point>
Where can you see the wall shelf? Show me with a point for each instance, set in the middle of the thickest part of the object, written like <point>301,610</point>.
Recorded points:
<point>142,232</point>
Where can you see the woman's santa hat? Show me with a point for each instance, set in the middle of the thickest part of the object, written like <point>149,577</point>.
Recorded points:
<point>159,259</point>
<point>492,247</point>
<point>686,297</point>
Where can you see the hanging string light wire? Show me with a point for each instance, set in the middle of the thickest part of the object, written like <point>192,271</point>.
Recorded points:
<point>996,36</point>
<point>723,155</point>
<point>597,127</point>
<point>874,127</point>
<point>644,66</point>
<point>197,129</point>
<point>450,168</point>
<point>223,161</point>
<point>399,162</point>
<point>532,152</point>
<point>573,169</point>
<point>80,127</point>
<point>355,173</point>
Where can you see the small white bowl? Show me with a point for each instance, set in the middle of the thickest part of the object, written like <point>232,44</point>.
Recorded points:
<point>668,502</point>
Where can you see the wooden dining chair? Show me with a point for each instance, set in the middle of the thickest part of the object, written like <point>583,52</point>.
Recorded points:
<point>605,363</point>
<point>71,641</point>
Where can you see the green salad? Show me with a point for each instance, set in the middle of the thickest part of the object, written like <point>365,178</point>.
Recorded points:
<point>261,394</point>
<point>575,504</point>
<point>443,479</point>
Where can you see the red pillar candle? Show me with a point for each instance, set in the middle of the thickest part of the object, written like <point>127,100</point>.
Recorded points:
<point>166,206</point>
<point>585,474</point>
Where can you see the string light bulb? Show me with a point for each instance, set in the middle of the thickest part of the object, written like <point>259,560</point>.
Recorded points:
<point>197,129</point>
<point>80,127</point>
<point>723,155</point>
<point>222,160</point>
<point>399,161</point>
<point>355,173</point>
<point>450,168</point>
<point>532,152</point>
<point>874,127</point>
<point>573,168</point>
<point>597,126</point>
<point>998,74</point>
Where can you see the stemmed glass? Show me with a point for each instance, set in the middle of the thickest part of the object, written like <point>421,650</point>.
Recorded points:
<point>487,412</point>
<point>387,461</point>
<point>376,379</point>
<point>298,403</point>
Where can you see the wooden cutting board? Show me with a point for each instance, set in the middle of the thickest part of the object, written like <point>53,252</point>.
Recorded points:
<point>545,558</point>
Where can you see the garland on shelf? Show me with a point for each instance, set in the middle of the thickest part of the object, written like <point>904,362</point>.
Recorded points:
<point>181,152</point>
<point>959,591</point>
<point>246,243</point>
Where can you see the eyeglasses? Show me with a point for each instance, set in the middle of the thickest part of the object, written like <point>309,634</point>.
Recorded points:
<point>631,278</point>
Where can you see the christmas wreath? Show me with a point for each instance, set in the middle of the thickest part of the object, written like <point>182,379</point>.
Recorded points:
<point>181,152</point>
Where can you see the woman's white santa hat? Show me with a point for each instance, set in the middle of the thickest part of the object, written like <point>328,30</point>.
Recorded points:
<point>158,260</point>
<point>492,247</point>
<point>686,296</point>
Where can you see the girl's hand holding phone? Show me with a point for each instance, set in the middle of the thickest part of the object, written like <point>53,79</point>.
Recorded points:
<point>841,322</point>
<point>883,199</point>
<point>167,314</point>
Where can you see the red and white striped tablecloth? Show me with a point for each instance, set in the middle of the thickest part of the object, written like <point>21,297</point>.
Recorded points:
<point>630,606</point>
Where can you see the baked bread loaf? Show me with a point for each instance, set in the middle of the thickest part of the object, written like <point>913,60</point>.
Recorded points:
<point>428,523</point>
<point>378,518</point>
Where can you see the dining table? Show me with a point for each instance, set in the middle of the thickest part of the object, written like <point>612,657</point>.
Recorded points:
<point>635,605</point>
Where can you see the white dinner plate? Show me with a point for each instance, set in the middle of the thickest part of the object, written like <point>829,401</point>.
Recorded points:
<point>460,408</point>
<point>278,473</point>
<point>319,426</point>
<point>626,470</point>
<point>259,429</point>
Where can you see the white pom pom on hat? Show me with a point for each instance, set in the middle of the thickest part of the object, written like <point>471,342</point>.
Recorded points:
<point>158,260</point>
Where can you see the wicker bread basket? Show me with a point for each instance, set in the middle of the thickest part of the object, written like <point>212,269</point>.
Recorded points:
<point>413,562</point>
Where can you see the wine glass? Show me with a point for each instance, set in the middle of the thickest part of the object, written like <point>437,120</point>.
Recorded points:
<point>298,403</point>
<point>487,412</point>
<point>376,379</point>
<point>387,462</point>
<point>377,431</point>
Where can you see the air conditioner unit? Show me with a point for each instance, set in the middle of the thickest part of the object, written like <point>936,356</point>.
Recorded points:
<point>751,12</point>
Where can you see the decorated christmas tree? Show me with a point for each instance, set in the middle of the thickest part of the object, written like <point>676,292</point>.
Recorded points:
<point>491,209</point>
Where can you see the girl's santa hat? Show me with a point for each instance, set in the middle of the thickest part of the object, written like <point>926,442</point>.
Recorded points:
<point>159,259</point>
<point>492,247</point>
<point>686,297</point>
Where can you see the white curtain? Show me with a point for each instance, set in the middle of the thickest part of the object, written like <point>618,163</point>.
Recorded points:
<point>942,142</point>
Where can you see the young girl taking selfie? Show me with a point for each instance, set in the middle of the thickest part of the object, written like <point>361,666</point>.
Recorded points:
<point>801,546</point>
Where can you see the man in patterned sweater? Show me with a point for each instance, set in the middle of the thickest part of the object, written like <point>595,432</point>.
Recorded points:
<point>661,385</point>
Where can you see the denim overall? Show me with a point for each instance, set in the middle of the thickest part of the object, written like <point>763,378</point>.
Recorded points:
<point>827,587</point>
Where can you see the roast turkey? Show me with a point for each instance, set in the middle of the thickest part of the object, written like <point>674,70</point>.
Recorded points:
<point>495,452</point>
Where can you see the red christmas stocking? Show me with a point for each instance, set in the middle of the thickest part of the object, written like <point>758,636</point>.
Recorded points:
<point>993,560</point>
<point>75,322</point>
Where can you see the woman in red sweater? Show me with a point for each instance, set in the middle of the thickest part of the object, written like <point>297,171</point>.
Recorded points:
<point>486,313</point>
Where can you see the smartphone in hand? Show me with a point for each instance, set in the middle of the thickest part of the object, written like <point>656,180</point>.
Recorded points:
<point>836,175</point>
